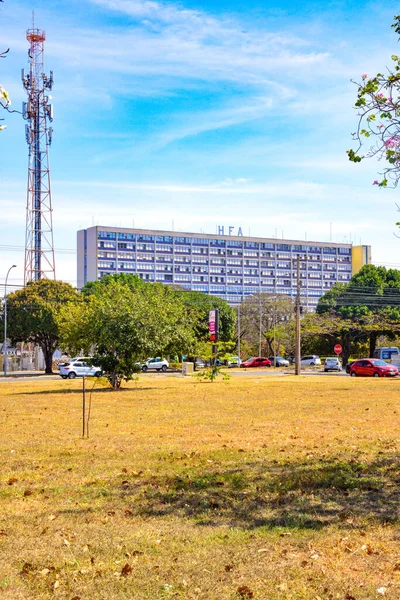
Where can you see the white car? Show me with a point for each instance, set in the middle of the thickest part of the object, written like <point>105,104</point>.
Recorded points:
<point>78,367</point>
<point>158,364</point>
<point>332,364</point>
<point>234,361</point>
<point>310,360</point>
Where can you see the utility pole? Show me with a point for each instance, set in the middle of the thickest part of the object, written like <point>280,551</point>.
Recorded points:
<point>238,327</point>
<point>298,333</point>
<point>260,330</point>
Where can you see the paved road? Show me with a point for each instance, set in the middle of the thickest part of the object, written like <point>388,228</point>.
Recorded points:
<point>21,376</point>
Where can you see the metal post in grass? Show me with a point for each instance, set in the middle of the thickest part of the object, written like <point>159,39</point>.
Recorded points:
<point>238,328</point>
<point>260,330</point>
<point>274,314</point>
<point>83,406</point>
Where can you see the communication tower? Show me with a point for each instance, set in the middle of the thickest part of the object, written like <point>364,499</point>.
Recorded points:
<point>38,112</point>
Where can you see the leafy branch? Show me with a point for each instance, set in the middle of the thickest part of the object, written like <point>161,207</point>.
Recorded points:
<point>378,106</point>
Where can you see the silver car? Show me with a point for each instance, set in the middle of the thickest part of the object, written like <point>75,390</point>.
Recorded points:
<point>332,364</point>
<point>310,360</point>
<point>78,367</point>
<point>158,364</point>
<point>234,361</point>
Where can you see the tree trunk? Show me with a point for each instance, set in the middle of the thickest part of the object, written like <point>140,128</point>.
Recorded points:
<point>346,346</point>
<point>115,380</point>
<point>372,343</point>
<point>48,359</point>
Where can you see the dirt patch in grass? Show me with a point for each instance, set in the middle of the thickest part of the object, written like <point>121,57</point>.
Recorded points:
<point>252,488</point>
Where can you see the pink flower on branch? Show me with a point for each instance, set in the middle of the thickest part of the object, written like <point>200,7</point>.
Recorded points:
<point>364,76</point>
<point>392,142</point>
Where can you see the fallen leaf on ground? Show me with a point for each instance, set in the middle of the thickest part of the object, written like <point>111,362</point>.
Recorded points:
<point>245,592</point>
<point>27,568</point>
<point>126,570</point>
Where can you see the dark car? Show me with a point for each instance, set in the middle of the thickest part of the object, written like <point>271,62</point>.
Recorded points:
<point>348,367</point>
<point>372,367</point>
<point>259,361</point>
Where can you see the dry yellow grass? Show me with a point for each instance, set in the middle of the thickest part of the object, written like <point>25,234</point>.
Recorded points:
<point>271,488</point>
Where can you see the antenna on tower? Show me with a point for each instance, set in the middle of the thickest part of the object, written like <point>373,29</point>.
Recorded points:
<point>38,112</point>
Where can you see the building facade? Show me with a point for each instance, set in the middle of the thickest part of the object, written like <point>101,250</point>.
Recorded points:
<point>227,266</point>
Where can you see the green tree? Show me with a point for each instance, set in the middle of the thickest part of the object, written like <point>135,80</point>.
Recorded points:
<point>199,305</point>
<point>33,311</point>
<point>370,302</point>
<point>378,107</point>
<point>274,314</point>
<point>119,324</point>
<point>328,329</point>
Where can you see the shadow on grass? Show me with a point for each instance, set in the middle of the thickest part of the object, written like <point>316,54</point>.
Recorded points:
<point>88,390</point>
<point>307,494</point>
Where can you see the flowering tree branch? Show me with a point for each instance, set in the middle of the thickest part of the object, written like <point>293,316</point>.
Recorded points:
<point>378,106</point>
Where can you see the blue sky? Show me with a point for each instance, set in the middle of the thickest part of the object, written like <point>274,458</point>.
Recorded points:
<point>201,113</point>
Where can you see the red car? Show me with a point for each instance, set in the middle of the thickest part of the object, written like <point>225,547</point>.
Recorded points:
<point>372,367</point>
<point>259,361</point>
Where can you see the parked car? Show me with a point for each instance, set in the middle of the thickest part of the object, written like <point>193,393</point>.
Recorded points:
<point>200,363</point>
<point>332,364</point>
<point>258,361</point>
<point>78,367</point>
<point>310,360</point>
<point>157,364</point>
<point>386,353</point>
<point>280,362</point>
<point>372,367</point>
<point>234,361</point>
<point>348,367</point>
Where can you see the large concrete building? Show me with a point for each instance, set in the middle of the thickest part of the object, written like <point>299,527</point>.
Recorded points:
<point>228,266</point>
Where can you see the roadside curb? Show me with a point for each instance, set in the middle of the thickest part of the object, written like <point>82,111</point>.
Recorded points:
<point>18,374</point>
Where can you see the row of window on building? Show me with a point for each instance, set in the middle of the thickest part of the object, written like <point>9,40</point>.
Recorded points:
<point>235,293</point>
<point>149,243</point>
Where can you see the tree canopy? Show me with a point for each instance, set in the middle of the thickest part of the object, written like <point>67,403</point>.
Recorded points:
<point>365,308</point>
<point>33,311</point>
<point>274,313</point>
<point>122,321</point>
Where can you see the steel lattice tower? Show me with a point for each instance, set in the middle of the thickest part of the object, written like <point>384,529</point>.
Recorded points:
<point>39,245</point>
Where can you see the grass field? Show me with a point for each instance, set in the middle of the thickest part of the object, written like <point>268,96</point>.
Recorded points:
<point>265,488</point>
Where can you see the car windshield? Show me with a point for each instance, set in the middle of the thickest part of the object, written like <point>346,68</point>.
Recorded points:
<point>252,358</point>
<point>379,363</point>
<point>332,359</point>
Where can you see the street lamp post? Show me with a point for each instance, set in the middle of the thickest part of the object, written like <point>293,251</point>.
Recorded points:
<point>5,323</point>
